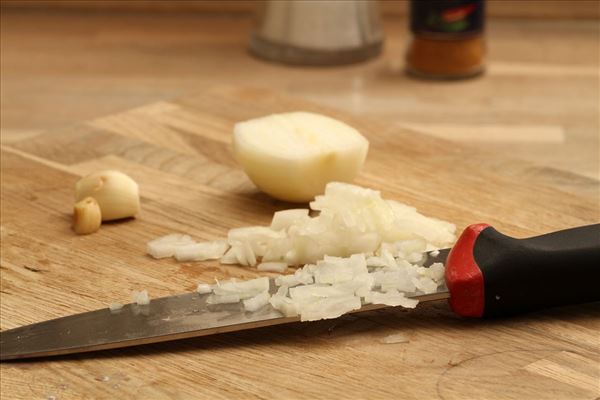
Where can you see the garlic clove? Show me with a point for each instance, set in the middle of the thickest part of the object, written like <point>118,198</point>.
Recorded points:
<point>87,216</point>
<point>116,193</point>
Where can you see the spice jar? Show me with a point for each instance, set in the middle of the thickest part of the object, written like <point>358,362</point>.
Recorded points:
<point>448,40</point>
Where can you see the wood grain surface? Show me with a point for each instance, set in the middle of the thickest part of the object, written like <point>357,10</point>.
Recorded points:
<point>179,152</point>
<point>584,9</point>
<point>539,99</point>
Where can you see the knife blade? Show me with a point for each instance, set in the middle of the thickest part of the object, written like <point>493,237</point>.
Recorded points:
<point>168,318</point>
<point>487,274</point>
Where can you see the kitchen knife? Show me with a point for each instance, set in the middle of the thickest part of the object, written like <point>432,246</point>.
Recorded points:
<point>487,274</point>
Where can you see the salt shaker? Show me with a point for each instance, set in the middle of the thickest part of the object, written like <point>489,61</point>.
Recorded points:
<point>325,32</point>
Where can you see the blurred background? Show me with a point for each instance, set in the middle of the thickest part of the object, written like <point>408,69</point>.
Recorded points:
<point>63,62</point>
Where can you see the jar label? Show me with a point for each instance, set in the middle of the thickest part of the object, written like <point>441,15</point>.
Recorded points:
<point>446,16</point>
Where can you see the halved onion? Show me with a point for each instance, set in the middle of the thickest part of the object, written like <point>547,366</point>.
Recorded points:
<point>293,156</point>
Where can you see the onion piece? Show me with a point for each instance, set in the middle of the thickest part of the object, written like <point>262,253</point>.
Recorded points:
<point>302,276</point>
<point>425,284</point>
<point>395,280</point>
<point>392,298</point>
<point>204,288</point>
<point>140,298</point>
<point>284,304</point>
<point>201,251</point>
<point>286,218</point>
<point>309,293</point>
<point>272,266</point>
<point>244,289</point>
<point>436,271</point>
<point>257,302</point>
<point>329,307</point>
<point>165,246</point>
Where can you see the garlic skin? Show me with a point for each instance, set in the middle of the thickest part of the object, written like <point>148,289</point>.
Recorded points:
<point>116,193</point>
<point>87,216</point>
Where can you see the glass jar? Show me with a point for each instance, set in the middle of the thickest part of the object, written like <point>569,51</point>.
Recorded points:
<point>448,40</point>
<point>324,32</point>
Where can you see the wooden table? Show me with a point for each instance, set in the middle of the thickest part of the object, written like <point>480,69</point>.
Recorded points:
<point>179,152</point>
<point>539,100</point>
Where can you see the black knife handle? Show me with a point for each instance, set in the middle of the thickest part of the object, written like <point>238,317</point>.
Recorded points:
<point>491,274</point>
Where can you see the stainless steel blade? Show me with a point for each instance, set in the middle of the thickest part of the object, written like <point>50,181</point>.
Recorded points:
<point>168,318</point>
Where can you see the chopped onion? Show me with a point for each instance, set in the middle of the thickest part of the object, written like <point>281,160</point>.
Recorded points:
<point>115,306</point>
<point>286,218</point>
<point>140,298</point>
<point>395,280</point>
<point>165,246</point>
<point>244,290</point>
<point>425,284</point>
<point>352,220</point>
<point>435,271</point>
<point>396,338</point>
<point>272,266</point>
<point>204,288</point>
<point>302,276</point>
<point>392,298</point>
<point>284,304</point>
<point>329,307</point>
<point>309,293</point>
<point>358,248</point>
<point>292,156</point>
<point>201,251</point>
<point>257,302</point>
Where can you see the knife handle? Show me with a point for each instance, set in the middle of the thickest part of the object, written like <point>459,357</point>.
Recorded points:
<point>490,274</point>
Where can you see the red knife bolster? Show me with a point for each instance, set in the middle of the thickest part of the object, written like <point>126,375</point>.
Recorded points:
<point>463,276</point>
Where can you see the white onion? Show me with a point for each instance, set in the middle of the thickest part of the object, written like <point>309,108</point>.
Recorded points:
<point>425,284</point>
<point>435,271</point>
<point>395,280</point>
<point>204,288</point>
<point>244,289</point>
<point>392,298</point>
<point>115,306</point>
<point>310,293</point>
<point>292,156</point>
<point>359,247</point>
<point>201,251</point>
<point>286,218</point>
<point>329,307</point>
<point>302,276</point>
<point>257,302</point>
<point>140,298</point>
<point>285,305</point>
<point>165,246</point>
<point>272,266</point>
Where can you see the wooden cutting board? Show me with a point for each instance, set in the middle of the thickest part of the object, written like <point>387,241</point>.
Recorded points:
<point>179,152</point>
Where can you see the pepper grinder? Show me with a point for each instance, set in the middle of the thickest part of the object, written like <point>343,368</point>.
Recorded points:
<point>324,32</point>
